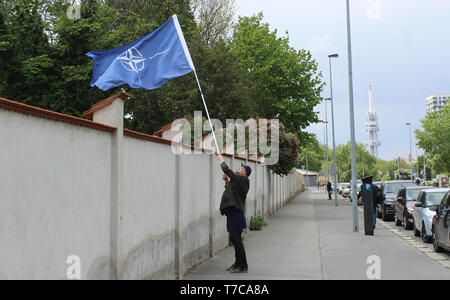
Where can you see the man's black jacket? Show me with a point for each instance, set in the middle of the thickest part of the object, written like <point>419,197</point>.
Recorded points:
<point>377,195</point>
<point>235,190</point>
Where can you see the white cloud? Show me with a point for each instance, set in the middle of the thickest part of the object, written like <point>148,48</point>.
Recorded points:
<point>320,42</point>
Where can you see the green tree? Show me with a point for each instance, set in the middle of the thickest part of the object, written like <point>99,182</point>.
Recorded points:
<point>215,18</point>
<point>435,140</point>
<point>311,155</point>
<point>364,162</point>
<point>23,51</point>
<point>288,81</point>
<point>288,153</point>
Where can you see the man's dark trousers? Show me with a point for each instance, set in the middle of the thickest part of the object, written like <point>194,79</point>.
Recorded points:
<point>235,225</point>
<point>241,258</point>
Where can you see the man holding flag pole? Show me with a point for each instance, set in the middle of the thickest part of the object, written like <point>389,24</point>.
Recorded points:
<point>149,63</point>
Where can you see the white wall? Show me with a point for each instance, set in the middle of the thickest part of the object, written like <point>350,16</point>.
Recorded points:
<point>56,200</point>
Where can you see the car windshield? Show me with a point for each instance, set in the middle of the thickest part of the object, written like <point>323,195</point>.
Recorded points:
<point>412,195</point>
<point>394,187</point>
<point>435,198</point>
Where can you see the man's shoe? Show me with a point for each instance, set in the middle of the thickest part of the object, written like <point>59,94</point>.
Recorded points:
<point>239,270</point>
<point>231,267</point>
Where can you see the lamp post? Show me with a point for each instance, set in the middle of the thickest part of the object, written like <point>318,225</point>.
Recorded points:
<point>326,140</point>
<point>352,121</point>
<point>410,146</point>
<point>325,150</point>
<point>334,134</point>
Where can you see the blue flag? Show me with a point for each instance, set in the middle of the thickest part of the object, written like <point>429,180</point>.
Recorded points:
<point>147,63</point>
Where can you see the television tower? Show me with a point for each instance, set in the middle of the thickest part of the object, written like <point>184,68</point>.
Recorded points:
<point>372,125</point>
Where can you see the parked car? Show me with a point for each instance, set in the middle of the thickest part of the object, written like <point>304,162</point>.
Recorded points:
<point>425,210</point>
<point>340,188</point>
<point>377,183</point>
<point>358,188</point>
<point>404,206</point>
<point>345,190</point>
<point>386,210</point>
<point>441,228</point>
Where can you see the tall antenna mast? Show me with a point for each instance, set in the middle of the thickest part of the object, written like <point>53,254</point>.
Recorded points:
<point>372,124</point>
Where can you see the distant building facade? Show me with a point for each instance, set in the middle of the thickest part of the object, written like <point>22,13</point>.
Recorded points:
<point>437,102</point>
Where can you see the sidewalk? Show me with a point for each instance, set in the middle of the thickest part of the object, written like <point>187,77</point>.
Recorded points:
<point>310,238</point>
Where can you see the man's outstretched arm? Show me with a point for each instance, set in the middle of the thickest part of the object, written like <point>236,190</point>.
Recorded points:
<point>226,169</point>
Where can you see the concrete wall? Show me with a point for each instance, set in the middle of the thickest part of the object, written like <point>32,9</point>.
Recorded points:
<point>126,205</point>
<point>55,193</point>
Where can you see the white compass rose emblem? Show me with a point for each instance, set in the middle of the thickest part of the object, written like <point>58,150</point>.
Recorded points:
<point>133,61</point>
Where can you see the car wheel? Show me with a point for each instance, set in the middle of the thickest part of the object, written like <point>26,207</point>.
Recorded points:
<point>405,224</point>
<point>436,246</point>
<point>397,221</point>
<point>383,216</point>
<point>416,232</point>
<point>425,237</point>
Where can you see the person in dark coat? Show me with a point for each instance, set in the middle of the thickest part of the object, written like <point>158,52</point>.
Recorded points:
<point>232,206</point>
<point>329,190</point>
<point>377,200</point>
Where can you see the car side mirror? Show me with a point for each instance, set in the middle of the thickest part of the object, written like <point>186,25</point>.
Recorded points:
<point>433,208</point>
<point>419,204</point>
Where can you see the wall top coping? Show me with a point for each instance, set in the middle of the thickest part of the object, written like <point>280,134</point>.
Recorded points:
<point>169,127</point>
<point>51,115</point>
<point>55,116</point>
<point>104,103</point>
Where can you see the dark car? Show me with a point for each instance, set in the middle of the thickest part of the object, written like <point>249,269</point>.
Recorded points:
<point>386,210</point>
<point>441,222</point>
<point>404,206</point>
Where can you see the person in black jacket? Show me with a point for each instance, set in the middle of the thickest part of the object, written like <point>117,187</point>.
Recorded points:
<point>329,190</point>
<point>377,200</point>
<point>233,206</point>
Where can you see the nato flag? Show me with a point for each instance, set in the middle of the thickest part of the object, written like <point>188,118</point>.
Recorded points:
<point>147,63</point>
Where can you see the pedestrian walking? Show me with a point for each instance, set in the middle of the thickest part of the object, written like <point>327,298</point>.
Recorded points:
<point>232,206</point>
<point>329,190</point>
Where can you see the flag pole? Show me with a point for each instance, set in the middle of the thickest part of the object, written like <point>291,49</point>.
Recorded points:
<point>207,113</point>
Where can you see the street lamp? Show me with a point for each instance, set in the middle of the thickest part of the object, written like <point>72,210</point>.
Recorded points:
<point>410,146</point>
<point>352,121</point>
<point>332,122</point>
<point>326,139</point>
<point>325,148</point>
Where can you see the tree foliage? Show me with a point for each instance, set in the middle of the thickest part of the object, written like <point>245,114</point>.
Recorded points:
<point>435,140</point>
<point>365,162</point>
<point>288,153</point>
<point>311,156</point>
<point>288,81</point>
<point>215,18</point>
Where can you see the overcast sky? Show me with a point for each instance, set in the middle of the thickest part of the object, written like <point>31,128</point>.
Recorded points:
<point>404,44</point>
